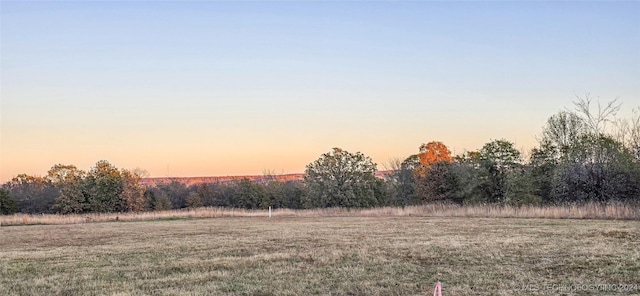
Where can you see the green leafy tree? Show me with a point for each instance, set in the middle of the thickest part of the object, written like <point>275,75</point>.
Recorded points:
<point>157,200</point>
<point>501,154</point>
<point>194,200</point>
<point>275,193</point>
<point>498,158</point>
<point>70,182</point>
<point>561,132</point>
<point>8,205</point>
<point>295,192</point>
<point>439,183</point>
<point>468,169</point>
<point>542,166</point>
<point>403,187</point>
<point>207,193</point>
<point>224,194</point>
<point>251,195</point>
<point>132,197</point>
<point>104,185</point>
<point>342,179</point>
<point>520,188</point>
<point>176,192</point>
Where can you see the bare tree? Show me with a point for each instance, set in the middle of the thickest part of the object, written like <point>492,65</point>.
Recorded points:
<point>628,132</point>
<point>596,121</point>
<point>634,133</point>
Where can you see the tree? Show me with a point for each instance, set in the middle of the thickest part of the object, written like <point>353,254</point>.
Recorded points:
<point>8,205</point>
<point>560,137</point>
<point>431,153</point>
<point>194,200</point>
<point>132,196</point>
<point>433,178</point>
<point>342,179</point>
<point>32,194</point>
<point>402,182</point>
<point>295,193</point>
<point>542,165</point>
<point>628,133</point>
<point>206,193</point>
<point>562,131</point>
<point>434,152</point>
<point>251,195</point>
<point>439,183</point>
<point>157,200</point>
<point>600,169</point>
<point>520,188</point>
<point>580,159</point>
<point>66,189</point>
<point>176,192</point>
<point>596,121</point>
<point>498,158</point>
<point>70,182</point>
<point>224,194</point>
<point>275,193</point>
<point>104,185</point>
<point>500,153</point>
<point>466,170</point>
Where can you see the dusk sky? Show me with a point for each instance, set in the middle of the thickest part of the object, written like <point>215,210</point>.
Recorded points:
<point>206,88</point>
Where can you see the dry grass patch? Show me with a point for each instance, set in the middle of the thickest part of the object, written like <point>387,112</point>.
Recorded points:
<point>322,256</point>
<point>617,211</point>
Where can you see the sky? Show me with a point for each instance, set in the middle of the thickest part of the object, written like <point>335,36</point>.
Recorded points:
<point>209,88</point>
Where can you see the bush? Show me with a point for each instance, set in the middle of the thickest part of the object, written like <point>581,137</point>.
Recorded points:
<point>8,205</point>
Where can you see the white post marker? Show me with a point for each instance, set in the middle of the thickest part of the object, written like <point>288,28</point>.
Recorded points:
<point>269,212</point>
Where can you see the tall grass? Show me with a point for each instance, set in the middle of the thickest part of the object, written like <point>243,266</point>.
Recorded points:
<point>612,211</point>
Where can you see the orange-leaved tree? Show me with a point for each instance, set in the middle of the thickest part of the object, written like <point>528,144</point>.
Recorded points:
<point>433,152</point>
<point>433,174</point>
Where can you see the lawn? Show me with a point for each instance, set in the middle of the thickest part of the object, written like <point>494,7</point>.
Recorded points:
<point>323,256</point>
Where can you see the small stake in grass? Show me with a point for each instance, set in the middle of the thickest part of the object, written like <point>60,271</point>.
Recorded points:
<point>269,212</point>
<point>438,290</point>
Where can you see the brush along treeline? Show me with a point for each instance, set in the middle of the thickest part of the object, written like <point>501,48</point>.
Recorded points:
<point>583,156</point>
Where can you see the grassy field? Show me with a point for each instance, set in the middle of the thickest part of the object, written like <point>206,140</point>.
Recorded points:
<point>323,256</point>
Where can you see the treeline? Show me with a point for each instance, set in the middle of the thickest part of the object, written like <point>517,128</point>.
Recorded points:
<point>105,188</point>
<point>66,189</point>
<point>583,156</point>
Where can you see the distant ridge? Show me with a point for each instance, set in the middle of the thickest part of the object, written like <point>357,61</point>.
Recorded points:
<point>221,179</point>
<point>225,179</point>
